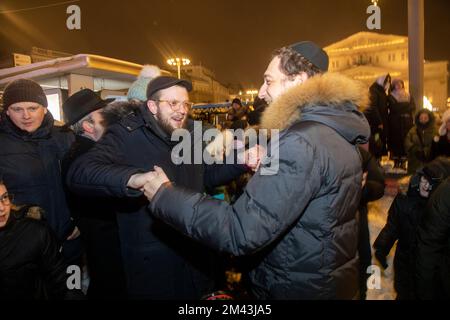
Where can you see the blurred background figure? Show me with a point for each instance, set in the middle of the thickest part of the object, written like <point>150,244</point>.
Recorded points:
<point>402,223</point>
<point>237,115</point>
<point>441,144</point>
<point>401,112</point>
<point>418,140</point>
<point>377,115</point>
<point>433,248</point>
<point>254,117</point>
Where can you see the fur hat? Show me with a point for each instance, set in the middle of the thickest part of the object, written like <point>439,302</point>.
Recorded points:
<point>445,118</point>
<point>138,90</point>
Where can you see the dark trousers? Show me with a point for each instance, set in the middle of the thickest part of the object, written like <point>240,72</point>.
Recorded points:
<point>364,250</point>
<point>104,260</point>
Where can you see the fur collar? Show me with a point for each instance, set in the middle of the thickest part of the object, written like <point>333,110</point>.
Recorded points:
<point>329,89</point>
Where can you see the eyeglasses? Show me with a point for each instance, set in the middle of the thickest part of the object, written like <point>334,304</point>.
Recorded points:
<point>175,104</point>
<point>6,198</point>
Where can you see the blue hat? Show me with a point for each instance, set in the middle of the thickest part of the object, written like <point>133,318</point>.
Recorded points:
<point>138,89</point>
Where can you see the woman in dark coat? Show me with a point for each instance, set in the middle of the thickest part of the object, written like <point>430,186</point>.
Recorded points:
<point>401,114</point>
<point>377,115</point>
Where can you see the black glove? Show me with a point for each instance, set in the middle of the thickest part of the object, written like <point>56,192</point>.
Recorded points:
<point>381,259</point>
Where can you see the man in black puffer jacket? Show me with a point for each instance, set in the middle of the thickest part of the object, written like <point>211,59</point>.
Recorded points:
<point>31,152</point>
<point>300,215</point>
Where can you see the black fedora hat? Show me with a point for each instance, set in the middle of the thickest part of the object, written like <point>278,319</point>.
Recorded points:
<point>80,104</point>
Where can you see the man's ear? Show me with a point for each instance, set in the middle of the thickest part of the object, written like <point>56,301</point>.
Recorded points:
<point>87,127</point>
<point>152,107</point>
<point>45,110</point>
<point>301,77</point>
<point>297,79</point>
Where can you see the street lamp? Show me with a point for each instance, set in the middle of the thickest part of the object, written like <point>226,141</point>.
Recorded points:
<point>252,92</point>
<point>178,62</point>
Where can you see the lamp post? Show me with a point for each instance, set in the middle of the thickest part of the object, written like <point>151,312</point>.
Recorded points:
<point>178,62</point>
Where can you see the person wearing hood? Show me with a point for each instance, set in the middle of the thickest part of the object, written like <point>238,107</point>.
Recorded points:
<point>419,139</point>
<point>31,152</point>
<point>301,218</point>
<point>441,144</point>
<point>377,115</point>
<point>401,113</point>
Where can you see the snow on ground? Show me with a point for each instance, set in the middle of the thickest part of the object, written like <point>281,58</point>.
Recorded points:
<point>377,219</point>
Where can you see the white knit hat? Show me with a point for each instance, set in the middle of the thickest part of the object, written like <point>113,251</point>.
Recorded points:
<point>138,89</point>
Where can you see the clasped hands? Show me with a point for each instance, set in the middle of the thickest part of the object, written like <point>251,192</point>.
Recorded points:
<point>150,182</point>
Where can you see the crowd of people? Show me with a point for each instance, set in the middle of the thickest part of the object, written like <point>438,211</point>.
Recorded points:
<point>103,193</point>
<point>410,137</point>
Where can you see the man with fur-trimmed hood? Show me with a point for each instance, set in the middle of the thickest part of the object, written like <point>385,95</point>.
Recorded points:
<point>302,219</point>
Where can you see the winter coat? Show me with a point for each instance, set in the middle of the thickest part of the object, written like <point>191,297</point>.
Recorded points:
<point>401,114</point>
<point>31,168</point>
<point>433,250</point>
<point>97,221</point>
<point>301,218</point>
<point>159,263</point>
<point>418,142</point>
<point>31,266</point>
<point>402,222</point>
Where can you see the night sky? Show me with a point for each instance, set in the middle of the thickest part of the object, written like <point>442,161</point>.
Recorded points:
<point>233,38</point>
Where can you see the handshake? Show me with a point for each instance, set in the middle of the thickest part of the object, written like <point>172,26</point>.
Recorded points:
<point>150,182</point>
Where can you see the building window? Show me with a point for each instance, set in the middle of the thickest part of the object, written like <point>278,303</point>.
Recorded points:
<point>403,56</point>
<point>376,59</point>
<point>393,57</point>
